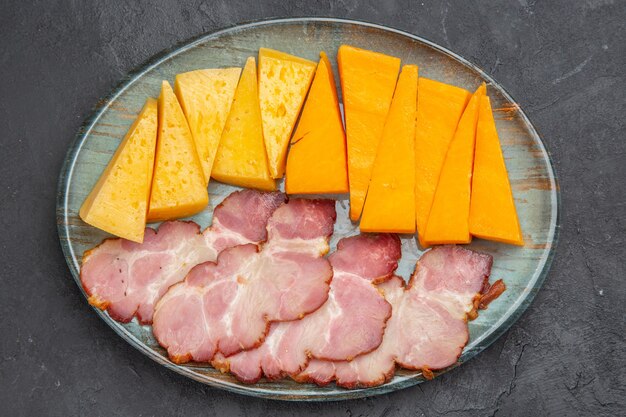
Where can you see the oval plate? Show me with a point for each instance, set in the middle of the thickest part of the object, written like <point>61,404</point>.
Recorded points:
<point>531,173</point>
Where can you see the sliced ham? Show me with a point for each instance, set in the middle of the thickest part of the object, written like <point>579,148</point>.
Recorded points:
<point>228,305</point>
<point>127,278</point>
<point>350,323</point>
<point>428,328</point>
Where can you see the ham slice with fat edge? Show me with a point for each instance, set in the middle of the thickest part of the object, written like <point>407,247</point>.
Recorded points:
<point>350,323</point>
<point>428,328</point>
<point>228,305</point>
<point>127,278</point>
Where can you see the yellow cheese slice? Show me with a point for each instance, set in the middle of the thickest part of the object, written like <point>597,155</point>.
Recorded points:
<point>118,203</point>
<point>390,202</point>
<point>368,80</point>
<point>206,96</point>
<point>439,109</point>
<point>492,210</point>
<point>283,83</point>
<point>178,185</point>
<point>241,158</point>
<point>316,163</point>
<point>448,221</point>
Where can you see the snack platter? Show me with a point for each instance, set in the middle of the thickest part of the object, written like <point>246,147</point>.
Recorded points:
<point>530,172</point>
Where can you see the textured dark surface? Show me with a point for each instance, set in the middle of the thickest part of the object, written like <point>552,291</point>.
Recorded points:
<point>563,61</point>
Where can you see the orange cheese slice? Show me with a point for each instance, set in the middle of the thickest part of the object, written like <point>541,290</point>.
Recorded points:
<point>316,163</point>
<point>439,109</point>
<point>283,83</point>
<point>492,209</point>
<point>368,80</point>
<point>118,203</point>
<point>206,96</point>
<point>178,184</point>
<point>448,221</point>
<point>390,203</point>
<point>241,158</point>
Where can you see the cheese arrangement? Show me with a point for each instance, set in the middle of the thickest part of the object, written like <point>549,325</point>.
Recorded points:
<point>415,155</point>
<point>118,203</point>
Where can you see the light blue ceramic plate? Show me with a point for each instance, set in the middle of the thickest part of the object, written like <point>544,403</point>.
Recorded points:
<point>531,172</point>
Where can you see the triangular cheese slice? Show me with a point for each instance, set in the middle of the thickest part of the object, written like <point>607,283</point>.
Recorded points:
<point>316,163</point>
<point>241,158</point>
<point>206,96</point>
<point>390,202</point>
<point>448,221</point>
<point>439,109</point>
<point>118,203</point>
<point>283,83</point>
<point>368,80</point>
<point>492,209</point>
<point>178,185</point>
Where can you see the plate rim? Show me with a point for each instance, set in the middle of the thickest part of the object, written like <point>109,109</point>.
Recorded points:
<point>103,104</point>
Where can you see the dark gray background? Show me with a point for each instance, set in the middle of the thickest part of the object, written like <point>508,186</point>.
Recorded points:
<point>563,61</point>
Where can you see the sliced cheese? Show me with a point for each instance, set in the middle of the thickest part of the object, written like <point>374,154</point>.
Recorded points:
<point>368,80</point>
<point>390,203</point>
<point>241,158</point>
<point>448,221</point>
<point>206,96</point>
<point>118,203</point>
<point>439,109</point>
<point>283,83</point>
<point>492,209</point>
<point>316,163</point>
<point>178,185</point>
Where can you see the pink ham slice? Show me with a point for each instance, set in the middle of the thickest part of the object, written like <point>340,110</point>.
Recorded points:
<point>127,278</point>
<point>428,328</point>
<point>227,306</point>
<point>350,323</point>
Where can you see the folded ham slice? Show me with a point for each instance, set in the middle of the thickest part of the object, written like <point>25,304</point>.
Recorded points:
<point>428,328</point>
<point>127,278</point>
<point>350,323</point>
<point>227,306</point>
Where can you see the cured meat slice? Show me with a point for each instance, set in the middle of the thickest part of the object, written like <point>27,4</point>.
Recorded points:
<point>350,323</point>
<point>227,306</point>
<point>428,328</point>
<point>370,369</point>
<point>127,278</point>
